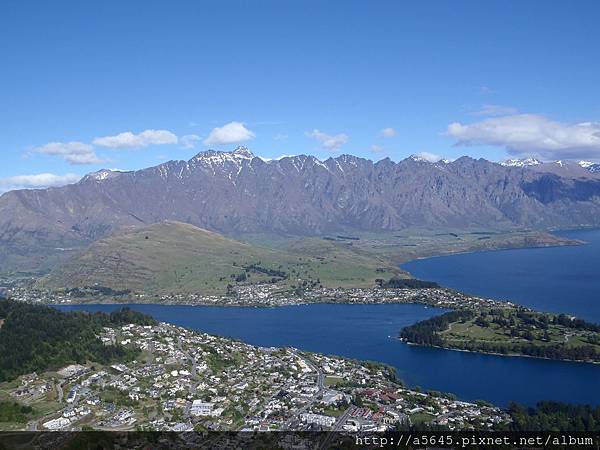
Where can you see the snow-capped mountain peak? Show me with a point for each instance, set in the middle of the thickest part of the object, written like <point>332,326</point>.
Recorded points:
<point>243,152</point>
<point>218,156</point>
<point>590,166</point>
<point>526,162</point>
<point>101,175</point>
<point>418,158</point>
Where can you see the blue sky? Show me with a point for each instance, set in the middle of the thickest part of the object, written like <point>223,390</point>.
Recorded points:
<point>487,79</point>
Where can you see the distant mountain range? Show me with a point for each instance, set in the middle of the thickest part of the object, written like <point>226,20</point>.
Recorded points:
<point>236,193</point>
<point>565,168</point>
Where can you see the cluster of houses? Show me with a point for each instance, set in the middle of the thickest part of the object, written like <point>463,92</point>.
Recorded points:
<point>184,380</point>
<point>270,294</point>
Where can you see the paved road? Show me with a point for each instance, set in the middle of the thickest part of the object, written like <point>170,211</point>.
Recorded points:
<point>59,392</point>
<point>320,386</point>
<point>187,410</point>
<point>337,426</point>
<point>194,367</point>
<point>194,371</point>
<point>342,419</point>
<point>320,380</point>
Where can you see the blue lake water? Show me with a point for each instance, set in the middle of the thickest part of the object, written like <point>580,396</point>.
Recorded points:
<point>555,279</point>
<point>368,332</point>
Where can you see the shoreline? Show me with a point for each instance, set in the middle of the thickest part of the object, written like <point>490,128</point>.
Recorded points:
<point>560,242</point>
<point>566,243</point>
<point>334,303</point>
<point>512,355</point>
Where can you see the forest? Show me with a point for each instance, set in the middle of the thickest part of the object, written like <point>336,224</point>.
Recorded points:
<point>427,331</point>
<point>554,416</point>
<point>14,412</point>
<point>406,283</point>
<point>36,338</point>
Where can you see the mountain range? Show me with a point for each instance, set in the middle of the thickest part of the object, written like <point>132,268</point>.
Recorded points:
<point>236,193</point>
<point>564,168</point>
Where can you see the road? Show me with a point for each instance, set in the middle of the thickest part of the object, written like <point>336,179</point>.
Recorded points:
<point>320,387</point>
<point>337,426</point>
<point>59,392</point>
<point>320,380</point>
<point>342,419</point>
<point>193,376</point>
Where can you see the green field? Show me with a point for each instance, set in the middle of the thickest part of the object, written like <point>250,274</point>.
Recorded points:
<point>511,331</point>
<point>172,257</point>
<point>411,243</point>
<point>489,331</point>
<point>333,380</point>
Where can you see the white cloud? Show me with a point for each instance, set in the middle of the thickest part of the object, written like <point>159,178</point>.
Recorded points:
<point>376,148</point>
<point>40,180</point>
<point>189,140</point>
<point>230,133</point>
<point>495,110</point>
<point>327,141</point>
<point>431,157</point>
<point>72,152</point>
<point>529,134</point>
<point>388,132</point>
<point>280,137</point>
<point>129,140</point>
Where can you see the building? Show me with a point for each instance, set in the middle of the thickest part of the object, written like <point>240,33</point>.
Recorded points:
<point>72,395</point>
<point>72,370</point>
<point>318,419</point>
<point>332,397</point>
<point>57,424</point>
<point>181,427</point>
<point>200,408</point>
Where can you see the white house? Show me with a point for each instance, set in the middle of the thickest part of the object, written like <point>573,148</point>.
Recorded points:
<point>319,419</point>
<point>57,424</point>
<point>200,408</point>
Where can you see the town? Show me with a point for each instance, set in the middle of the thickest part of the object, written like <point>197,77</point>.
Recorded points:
<point>184,380</point>
<point>257,295</point>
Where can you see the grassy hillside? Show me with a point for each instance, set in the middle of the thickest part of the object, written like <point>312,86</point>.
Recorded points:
<point>412,243</point>
<point>510,331</point>
<point>172,257</point>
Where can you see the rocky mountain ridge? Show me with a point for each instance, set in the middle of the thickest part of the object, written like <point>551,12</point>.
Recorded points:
<point>237,192</point>
<point>564,168</point>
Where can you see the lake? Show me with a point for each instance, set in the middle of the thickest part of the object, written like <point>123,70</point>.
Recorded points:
<point>369,332</point>
<point>554,279</point>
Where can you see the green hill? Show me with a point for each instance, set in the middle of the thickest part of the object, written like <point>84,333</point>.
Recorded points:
<point>173,257</point>
<point>36,338</point>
